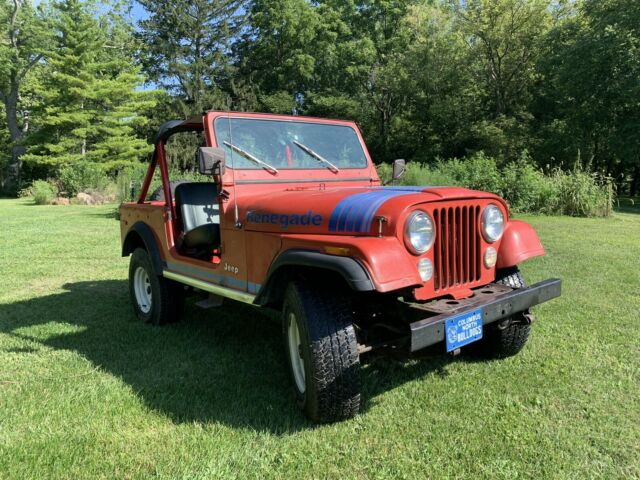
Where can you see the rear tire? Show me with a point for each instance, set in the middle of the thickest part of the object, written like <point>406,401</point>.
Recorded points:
<point>322,353</point>
<point>156,300</point>
<point>507,337</point>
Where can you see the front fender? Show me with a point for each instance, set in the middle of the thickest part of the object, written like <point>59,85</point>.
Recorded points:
<point>519,243</point>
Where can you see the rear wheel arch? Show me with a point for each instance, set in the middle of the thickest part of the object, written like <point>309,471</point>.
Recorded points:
<point>140,235</point>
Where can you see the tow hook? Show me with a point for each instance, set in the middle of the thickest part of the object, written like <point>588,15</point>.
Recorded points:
<point>528,318</point>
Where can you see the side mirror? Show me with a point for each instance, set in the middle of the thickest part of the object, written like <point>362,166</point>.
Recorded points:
<point>211,160</point>
<point>397,170</point>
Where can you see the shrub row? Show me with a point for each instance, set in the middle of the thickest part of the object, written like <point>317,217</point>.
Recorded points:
<point>526,188</point>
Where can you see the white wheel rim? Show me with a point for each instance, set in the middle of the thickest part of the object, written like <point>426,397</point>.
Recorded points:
<point>142,289</point>
<point>295,353</point>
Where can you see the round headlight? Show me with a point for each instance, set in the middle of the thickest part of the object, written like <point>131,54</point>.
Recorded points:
<point>419,232</point>
<point>492,223</point>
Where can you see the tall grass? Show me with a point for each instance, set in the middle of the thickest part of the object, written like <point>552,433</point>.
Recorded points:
<point>526,188</point>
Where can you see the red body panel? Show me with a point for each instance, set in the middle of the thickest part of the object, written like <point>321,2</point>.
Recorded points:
<point>519,243</point>
<point>316,208</point>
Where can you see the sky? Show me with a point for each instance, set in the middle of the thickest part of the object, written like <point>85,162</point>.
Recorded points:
<point>137,11</point>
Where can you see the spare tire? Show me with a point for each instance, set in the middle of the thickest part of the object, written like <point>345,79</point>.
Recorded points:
<point>158,193</point>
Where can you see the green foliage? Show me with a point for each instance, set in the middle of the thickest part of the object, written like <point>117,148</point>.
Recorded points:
<point>81,177</point>
<point>424,81</point>
<point>589,100</point>
<point>525,187</point>
<point>185,50</point>
<point>129,182</point>
<point>580,193</point>
<point>90,100</point>
<point>24,34</point>
<point>477,172</point>
<point>43,192</point>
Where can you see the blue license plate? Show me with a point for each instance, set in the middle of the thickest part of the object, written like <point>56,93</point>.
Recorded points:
<point>463,329</point>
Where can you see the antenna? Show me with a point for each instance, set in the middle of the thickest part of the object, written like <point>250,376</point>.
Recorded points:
<point>233,178</point>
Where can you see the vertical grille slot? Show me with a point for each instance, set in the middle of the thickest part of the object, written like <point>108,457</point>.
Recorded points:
<point>457,246</point>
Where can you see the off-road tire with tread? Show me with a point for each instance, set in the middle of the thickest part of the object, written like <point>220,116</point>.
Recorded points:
<point>329,350</point>
<point>505,338</point>
<point>167,296</point>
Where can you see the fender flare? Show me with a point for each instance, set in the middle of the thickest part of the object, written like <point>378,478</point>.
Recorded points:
<point>144,232</point>
<point>519,243</point>
<point>350,269</point>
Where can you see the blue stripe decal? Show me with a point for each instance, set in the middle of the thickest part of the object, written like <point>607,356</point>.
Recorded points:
<point>355,212</point>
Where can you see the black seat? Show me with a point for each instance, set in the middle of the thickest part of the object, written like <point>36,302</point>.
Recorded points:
<point>198,210</point>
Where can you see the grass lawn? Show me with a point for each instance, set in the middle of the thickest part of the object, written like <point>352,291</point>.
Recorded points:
<point>86,391</point>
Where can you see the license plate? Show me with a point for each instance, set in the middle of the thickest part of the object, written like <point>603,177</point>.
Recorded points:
<point>463,329</point>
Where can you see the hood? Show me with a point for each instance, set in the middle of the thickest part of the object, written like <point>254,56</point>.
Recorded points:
<point>340,210</point>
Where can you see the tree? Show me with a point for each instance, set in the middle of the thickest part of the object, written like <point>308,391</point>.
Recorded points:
<point>506,36</point>
<point>504,42</point>
<point>185,49</point>
<point>276,52</point>
<point>90,100</point>
<point>591,101</point>
<point>25,36</point>
<point>447,103</point>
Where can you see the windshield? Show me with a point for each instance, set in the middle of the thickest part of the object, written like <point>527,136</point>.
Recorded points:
<point>288,144</point>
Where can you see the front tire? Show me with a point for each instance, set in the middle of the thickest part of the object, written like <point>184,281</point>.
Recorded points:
<point>322,353</point>
<point>155,299</point>
<point>507,337</point>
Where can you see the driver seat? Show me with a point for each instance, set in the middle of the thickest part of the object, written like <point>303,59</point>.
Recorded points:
<point>199,213</point>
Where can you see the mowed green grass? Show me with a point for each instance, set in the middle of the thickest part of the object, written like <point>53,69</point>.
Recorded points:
<point>88,392</point>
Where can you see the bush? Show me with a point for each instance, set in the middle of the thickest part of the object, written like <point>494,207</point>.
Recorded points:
<point>477,172</point>
<point>582,194</point>
<point>129,182</point>
<point>81,177</point>
<point>43,192</point>
<point>525,187</point>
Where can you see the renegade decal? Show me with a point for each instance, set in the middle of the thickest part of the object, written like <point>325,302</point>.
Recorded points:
<point>284,221</point>
<point>355,213</point>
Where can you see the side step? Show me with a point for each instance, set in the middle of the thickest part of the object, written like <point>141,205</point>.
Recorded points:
<point>212,301</point>
<point>209,287</point>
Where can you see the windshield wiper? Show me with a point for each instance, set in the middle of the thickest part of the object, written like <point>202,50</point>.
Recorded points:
<point>251,158</point>
<point>317,156</point>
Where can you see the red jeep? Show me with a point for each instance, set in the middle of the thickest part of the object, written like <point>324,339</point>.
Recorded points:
<point>294,217</point>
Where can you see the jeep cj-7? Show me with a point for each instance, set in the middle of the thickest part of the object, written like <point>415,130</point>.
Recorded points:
<point>293,216</point>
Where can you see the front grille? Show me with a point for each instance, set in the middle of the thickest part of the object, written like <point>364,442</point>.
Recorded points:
<point>457,246</point>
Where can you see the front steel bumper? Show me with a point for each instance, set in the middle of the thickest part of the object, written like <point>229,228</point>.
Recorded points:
<point>496,301</point>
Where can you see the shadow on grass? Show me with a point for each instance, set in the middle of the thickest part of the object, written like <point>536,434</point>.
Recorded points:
<point>221,365</point>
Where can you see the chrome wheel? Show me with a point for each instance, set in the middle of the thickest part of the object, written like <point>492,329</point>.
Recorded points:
<point>142,289</point>
<point>295,353</point>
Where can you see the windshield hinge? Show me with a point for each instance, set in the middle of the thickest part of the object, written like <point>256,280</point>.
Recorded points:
<point>381,220</point>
